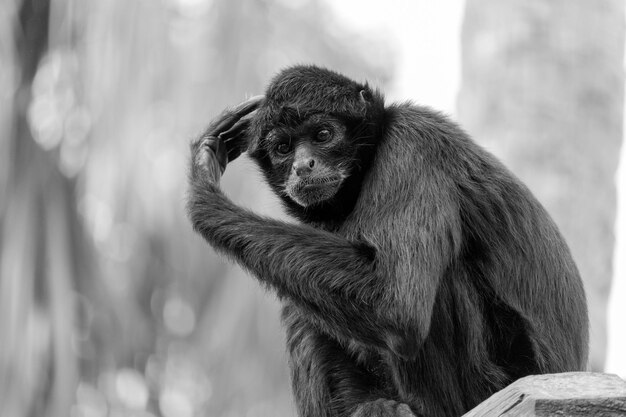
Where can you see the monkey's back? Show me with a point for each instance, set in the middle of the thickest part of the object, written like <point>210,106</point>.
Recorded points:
<point>510,301</point>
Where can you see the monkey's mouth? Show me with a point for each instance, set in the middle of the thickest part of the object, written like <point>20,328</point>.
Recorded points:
<point>309,191</point>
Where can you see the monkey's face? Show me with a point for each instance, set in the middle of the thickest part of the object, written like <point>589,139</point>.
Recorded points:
<point>309,161</point>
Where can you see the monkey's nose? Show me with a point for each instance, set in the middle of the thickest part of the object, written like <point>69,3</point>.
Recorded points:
<point>303,167</point>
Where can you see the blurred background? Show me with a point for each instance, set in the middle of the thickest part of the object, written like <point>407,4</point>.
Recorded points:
<point>111,306</point>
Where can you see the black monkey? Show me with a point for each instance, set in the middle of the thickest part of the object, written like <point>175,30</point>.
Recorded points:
<point>424,277</point>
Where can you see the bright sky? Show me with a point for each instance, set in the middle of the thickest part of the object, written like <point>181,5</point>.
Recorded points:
<point>427,37</point>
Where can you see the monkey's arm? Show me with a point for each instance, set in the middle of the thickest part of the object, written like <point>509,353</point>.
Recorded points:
<point>322,272</point>
<point>334,279</point>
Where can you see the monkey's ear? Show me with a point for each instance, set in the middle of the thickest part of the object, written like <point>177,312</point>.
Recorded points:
<point>365,96</point>
<point>365,100</point>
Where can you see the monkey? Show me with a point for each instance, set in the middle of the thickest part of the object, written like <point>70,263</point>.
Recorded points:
<point>422,277</point>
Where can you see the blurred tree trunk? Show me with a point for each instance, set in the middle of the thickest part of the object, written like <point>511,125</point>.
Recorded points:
<point>39,250</point>
<point>542,87</point>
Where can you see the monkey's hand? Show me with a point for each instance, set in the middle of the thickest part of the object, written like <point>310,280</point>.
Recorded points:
<point>235,135</point>
<point>208,160</point>
<point>223,141</point>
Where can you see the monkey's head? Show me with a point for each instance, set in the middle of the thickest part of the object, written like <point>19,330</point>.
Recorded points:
<point>314,136</point>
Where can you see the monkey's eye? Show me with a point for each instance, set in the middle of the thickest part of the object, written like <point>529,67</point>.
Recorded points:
<point>283,148</point>
<point>323,135</point>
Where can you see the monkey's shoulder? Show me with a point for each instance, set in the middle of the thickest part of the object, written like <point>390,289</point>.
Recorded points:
<point>421,153</point>
<point>419,141</point>
<point>421,129</point>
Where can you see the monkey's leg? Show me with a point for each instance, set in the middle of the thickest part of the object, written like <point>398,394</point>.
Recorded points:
<point>309,372</point>
<point>327,381</point>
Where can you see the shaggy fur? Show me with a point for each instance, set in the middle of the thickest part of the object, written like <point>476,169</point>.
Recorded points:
<point>431,280</point>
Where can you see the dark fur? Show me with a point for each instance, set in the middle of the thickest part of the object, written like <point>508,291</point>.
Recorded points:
<point>433,278</point>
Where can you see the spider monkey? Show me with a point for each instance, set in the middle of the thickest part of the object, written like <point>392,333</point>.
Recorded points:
<point>423,277</point>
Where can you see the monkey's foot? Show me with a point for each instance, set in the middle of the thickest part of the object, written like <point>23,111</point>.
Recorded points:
<point>383,408</point>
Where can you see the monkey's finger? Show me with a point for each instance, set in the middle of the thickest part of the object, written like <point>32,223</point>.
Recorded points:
<point>236,146</point>
<point>234,154</point>
<point>230,116</point>
<point>239,141</point>
<point>236,137</point>
<point>236,129</point>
